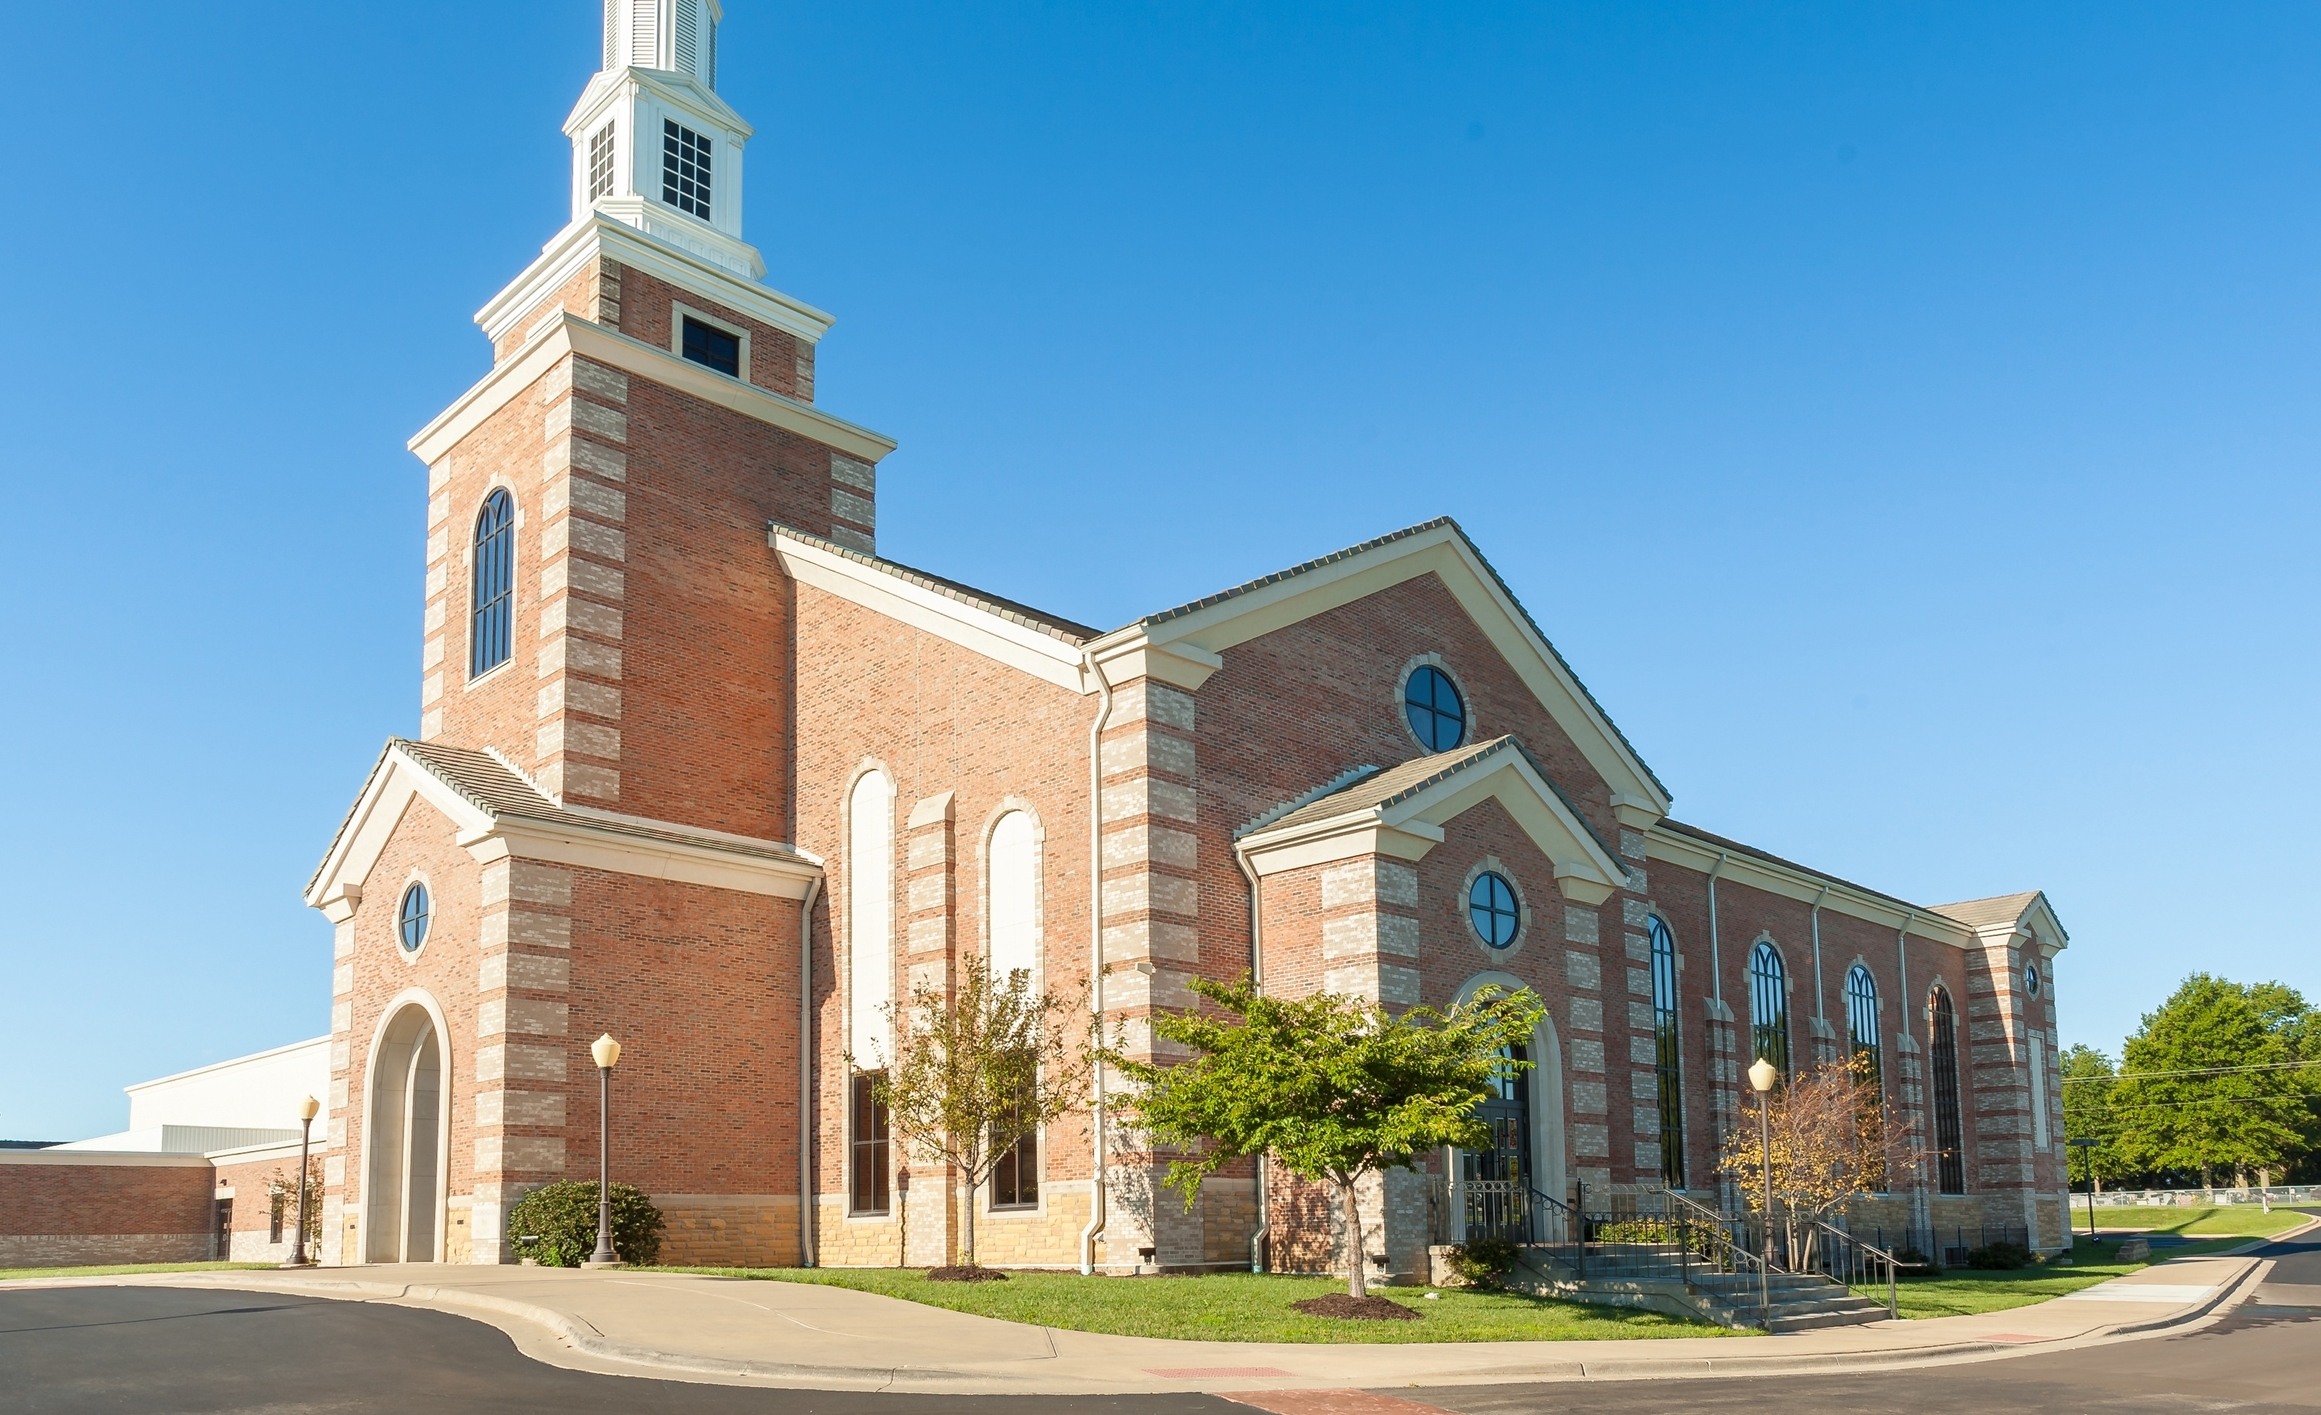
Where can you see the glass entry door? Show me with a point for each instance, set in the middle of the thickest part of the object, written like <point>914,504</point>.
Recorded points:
<point>1497,1180</point>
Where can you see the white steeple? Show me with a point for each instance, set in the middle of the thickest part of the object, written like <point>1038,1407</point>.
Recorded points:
<point>653,146</point>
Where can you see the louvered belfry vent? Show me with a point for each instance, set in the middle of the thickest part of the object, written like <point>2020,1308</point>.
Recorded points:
<point>687,12</point>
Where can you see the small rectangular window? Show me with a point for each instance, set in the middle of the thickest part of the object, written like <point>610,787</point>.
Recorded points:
<point>600,150</point>
<point>684,169</point>
<point>708,344</point>
<point>274,1219</point>
<point>870,1146</point>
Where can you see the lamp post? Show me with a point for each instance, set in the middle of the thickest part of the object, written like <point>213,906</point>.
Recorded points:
<point>1761,1078</point>
<point>607,1052</point>
<point>307,1110</point>
<point>2087,1162</point>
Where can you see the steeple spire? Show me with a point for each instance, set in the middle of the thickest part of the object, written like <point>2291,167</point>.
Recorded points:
<point>653,146</point>
<point>677,35</point>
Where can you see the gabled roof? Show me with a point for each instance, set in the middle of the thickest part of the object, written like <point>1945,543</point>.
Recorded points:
<point>1402,811</point>
<point>1983,913</point>
<point>498,810</point>
<point>1184,644</point>
<point>1053,625</point>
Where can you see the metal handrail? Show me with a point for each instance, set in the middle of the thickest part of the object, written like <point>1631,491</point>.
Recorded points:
<point>1862,1259</point>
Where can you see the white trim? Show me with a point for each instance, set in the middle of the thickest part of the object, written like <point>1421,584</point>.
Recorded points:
<point>338,886</point>
<point>679,312</point>
<point>976,630</point>
<point>1550,1155</point>
<point>105,1159</point>
<point>1669,847</point>
<point>851,1047</point>
<point>368,1095</point>
<point>323,1040</point>
<point>1444,552</point>
<point>570,334</point>
<point>597,234</point>
<point>1407,830</point>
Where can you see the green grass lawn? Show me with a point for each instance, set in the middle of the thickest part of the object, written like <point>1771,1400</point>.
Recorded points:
<point>1964,1290</point>
<point>1240,1307</point>
<point>127,1268</point>
<point>2243,1220</point>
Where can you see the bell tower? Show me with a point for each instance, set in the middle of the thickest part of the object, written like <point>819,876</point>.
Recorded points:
<point>603,610</point>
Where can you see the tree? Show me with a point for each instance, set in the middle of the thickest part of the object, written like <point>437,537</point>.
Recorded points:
<point>977,1071</point>
<point>1831,1140</point>
<point>1331,1087</point>
<point>2090,1084</point>
<point>2210,1081</point>
<point>282,1193</point>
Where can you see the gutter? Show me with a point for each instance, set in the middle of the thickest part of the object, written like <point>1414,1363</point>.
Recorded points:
<point>1096,1215</point>
<point>806,1073</point>
<point>1257,984</point>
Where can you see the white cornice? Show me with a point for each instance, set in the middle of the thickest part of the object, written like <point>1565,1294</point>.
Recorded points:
<point>715,859</point>
<point>671,86</point>
<point>976,630</point>
<point>574,246</point>
<point>1804,886</point>
<point>1410,827</point>
<point>1204,634</point>
<point>106,1159</point>
<point>570,334</point>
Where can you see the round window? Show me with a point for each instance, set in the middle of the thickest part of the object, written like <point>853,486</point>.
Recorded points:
<point>2031,979</point>
<point>1438,716</point>
<point>413,918</point>
<point>1491,909</point>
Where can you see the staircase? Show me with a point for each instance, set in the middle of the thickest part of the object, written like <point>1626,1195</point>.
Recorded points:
<point>1656,1276</point>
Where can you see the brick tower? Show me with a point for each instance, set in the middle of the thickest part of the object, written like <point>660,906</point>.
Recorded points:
<point>586,835</point>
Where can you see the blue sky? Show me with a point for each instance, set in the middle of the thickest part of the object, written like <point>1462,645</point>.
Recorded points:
<point>1903,417</point>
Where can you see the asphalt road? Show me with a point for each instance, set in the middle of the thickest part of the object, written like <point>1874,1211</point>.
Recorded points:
<point>150,1349</point>
<point>2264,1357</point>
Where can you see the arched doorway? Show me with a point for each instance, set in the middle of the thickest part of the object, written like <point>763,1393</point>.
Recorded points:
<point>403,1182</point>
<point>1525,1112</point>
<point>1499,1179</point>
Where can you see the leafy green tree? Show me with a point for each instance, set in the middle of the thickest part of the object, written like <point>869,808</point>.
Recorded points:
<point>977,1071</point>
<point>2210,1082</point>
<point>2090,1086</point>
<point>1331,1087</point>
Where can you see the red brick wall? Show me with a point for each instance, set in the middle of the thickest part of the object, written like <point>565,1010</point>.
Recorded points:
<point>941,718</point>
<point>777,360</point>
<point>72,1214</point>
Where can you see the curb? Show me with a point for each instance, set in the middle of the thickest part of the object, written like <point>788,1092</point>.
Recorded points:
<point>578,1335</point>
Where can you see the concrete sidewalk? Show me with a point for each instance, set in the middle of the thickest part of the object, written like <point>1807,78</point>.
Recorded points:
<point>802,1335</point>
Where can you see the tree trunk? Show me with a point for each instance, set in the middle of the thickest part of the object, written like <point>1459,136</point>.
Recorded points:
<point>1355,1274</point>
<point>967,1228</point>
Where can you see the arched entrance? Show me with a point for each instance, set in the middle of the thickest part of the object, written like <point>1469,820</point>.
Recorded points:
<point>403,1182</point>
<point>1525,1112</point>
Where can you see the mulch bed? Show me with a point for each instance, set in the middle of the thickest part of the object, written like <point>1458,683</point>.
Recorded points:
<point>1360,1309</point>
<point>958,1274</point>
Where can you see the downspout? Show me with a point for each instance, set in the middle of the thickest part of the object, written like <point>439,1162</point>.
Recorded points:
<point>1902,953</point>
<point>1095,954</point>
<point>1820,996</point>
<point>1257,984</point>
<point>806,1073</point>
<point>1716,959</point>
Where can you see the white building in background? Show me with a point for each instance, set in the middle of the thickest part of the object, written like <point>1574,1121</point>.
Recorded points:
<point>227,1105</point>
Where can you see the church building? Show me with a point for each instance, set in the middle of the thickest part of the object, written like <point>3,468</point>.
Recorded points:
<point>699,768</point>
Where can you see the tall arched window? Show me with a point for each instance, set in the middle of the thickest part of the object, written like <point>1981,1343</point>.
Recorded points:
<point>870,967</point>
<point>1013,884</point>
<point>1862,1018</point>
<point>1666,1053</point>
<point>1942,1059</point>
<point>491,632</point>
<point>1768,1007</point>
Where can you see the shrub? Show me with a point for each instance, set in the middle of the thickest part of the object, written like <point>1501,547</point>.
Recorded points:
<point>1483,1261</point>
<point>555,1226</point>
<point>1994,1256</point>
